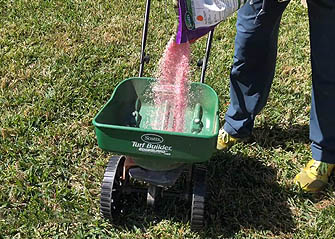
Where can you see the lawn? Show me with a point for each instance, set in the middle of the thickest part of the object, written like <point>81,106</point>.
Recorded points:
<point>59,63</point>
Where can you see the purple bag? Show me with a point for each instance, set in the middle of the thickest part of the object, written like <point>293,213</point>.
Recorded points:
<point>198,17</point>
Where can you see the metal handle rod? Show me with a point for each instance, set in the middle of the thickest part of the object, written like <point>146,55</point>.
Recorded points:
<point>205,61</point>
<point>144,36</point>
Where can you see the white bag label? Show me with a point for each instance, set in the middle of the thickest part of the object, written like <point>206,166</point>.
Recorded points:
<point>206,13</point>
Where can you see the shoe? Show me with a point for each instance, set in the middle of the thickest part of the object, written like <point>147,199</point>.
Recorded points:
<point>225,141</point>
<point>314,177</point>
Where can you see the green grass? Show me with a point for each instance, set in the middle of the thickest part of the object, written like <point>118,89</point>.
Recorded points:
<point>59,63</point>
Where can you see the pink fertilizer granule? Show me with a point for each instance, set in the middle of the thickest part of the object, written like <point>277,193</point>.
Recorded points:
<point>172,88</point>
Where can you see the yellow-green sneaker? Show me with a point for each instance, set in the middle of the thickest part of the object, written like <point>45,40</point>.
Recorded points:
<point>225,141</point>
<point>314,177</point>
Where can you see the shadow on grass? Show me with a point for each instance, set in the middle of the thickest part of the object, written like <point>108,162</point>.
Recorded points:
<point>273,136</point>
<point>244,195</point>
<point>137,215</point>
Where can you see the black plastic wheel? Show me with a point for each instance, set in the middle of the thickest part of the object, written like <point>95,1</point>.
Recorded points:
<point>198,197</point>
<point>111,188</point>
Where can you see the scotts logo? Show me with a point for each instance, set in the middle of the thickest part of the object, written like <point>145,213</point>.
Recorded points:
<point>152,139</point>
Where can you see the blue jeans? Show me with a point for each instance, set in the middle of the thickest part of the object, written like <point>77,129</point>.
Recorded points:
<point>254,67</point>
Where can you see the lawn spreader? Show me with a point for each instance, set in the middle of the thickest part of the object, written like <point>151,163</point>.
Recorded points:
<point>156,158</point>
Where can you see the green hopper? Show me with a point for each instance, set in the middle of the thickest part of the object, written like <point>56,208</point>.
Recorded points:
<point>123,126</point>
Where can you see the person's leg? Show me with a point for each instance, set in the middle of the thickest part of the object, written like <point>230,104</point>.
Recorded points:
<point>254,64</point>
<point>322,37</point>
<point>322,122</point>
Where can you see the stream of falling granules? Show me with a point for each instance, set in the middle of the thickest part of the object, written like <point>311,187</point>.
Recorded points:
<point>171,89</point>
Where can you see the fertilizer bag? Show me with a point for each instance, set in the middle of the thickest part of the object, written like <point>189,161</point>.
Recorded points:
<point>198,17</point>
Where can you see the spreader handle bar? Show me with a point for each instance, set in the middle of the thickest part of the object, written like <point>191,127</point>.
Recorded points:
<point>144,37</point>
<point>205,61</point>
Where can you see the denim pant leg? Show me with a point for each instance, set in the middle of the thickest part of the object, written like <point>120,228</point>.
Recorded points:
<point>254,64</point>
<point>322,37</point>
